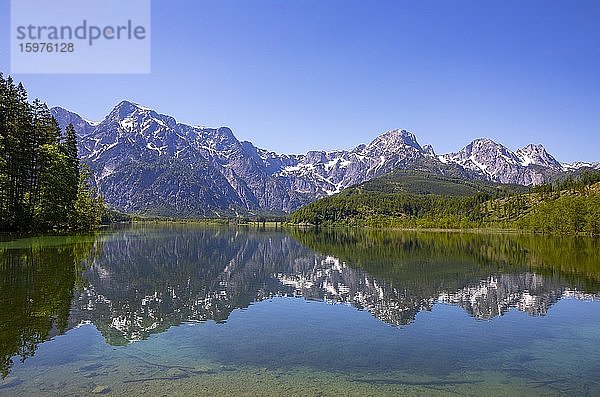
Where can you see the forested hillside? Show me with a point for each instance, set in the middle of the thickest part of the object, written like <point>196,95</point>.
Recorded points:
<point>42,184</point>
<point>424,182</point>
<point>406,199</point>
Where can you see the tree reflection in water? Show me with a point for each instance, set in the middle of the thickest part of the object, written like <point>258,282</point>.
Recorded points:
<point>134,282</point>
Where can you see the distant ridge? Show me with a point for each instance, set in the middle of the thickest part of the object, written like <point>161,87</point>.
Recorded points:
<point>148,163</point>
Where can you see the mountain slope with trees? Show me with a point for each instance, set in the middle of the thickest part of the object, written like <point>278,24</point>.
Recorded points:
<point>414,200</point>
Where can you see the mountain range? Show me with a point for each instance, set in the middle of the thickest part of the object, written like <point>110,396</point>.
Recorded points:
<point>148,163</point>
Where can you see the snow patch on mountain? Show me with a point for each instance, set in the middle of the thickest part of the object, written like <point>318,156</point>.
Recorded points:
<point>135,149</point>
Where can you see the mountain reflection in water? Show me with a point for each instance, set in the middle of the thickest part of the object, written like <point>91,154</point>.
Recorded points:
<point>134,282</point>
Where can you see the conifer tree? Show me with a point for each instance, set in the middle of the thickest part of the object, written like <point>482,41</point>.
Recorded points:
<point>41,183</point>
<point>69,148</point>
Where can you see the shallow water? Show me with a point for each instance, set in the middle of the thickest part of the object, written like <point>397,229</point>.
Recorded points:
<point>180,310</point>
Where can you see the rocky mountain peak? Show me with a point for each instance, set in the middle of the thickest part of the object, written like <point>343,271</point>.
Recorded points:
<point>486,145</point>
<point>216,140</point>
<point>65,117</point>
<point>428,149</point>
<point>130,116</point>
<point>497,163</point>
<point>537,155</point>
<point>486,150</point>
<point>125,109</point>
<point>395,139</point>
<point>398,144</point>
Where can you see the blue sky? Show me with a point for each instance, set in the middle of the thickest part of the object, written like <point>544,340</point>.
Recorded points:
<point>297,75</point>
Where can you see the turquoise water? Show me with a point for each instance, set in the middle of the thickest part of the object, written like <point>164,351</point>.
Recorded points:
<point>180,310</point>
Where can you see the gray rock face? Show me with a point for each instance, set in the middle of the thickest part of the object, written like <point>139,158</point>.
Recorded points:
<point>429,150</point>
<point>65,117</point>
<point>580,164</point>
<point>530,165</point>
<point>537,155</point>
<point>147,162</point>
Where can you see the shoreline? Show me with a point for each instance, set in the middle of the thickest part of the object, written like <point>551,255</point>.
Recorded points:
<point>277,225</point>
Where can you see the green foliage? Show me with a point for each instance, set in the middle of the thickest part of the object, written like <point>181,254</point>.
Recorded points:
<point>421,182</point>
<point>386,202</point>
<point>88,208</point>
<point>568,213</point>
<point>72,168</point>
<point>37,280</point>
<point>393,210</point>
<point>401,257</point>
<point>112,216</point>
<point>42,186</point>
<point>575,180</point>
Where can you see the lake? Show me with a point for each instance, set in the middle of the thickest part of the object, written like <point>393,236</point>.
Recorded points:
<point>199,310</point>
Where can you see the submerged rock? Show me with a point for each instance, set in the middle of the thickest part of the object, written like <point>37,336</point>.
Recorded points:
<point>90,367</point>
<point>176,373</point>
<point>100,389</point>
<point>10,383</point>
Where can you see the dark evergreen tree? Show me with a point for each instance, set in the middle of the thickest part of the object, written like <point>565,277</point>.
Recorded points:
<point>14,126</point>
<point>41,183</point>
<point>69,148</point>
